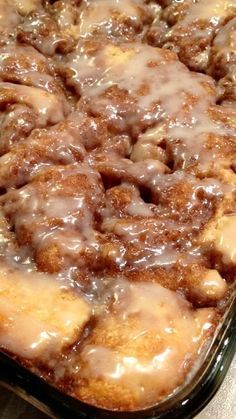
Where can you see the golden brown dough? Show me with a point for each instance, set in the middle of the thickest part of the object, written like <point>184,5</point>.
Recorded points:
<point>222,65</point>
<point>38,315</point>
<point>190,29</point>
<point>56,213</point>
<point>117,191</point>
<point>123,20</point>
<point>40,30</point>
<point>64,143</point>
<point>140,352</point>
<point>188,128</point>
<point>38,102</point>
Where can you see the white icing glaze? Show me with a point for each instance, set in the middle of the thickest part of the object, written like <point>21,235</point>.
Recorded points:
<point>160,87</point>
<point>39,315</point>
<point>225,238</point>
<point>17,121</point>
<point>148,234</point>
<point>109,16</point>
<point>227,35</point>
<point>9,18</point>
<point>51,108</point>
<point>212,285</point>
<point>66,15</point>
<point>25,65</point>
<point>147,342</point>
<point>53,218</point>
<point>151,254</point>
<point>40,30</point>
<point>163,102</point>
<point>211,10</point>
<point>132,65</point>
<point>139,208</point>
<point>25,7</point>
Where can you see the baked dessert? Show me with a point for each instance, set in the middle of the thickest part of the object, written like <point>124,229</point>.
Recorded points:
<point>117,180</point>
<point>189,27</point>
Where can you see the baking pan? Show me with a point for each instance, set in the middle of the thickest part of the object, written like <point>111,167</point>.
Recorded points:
<point>187,402</point>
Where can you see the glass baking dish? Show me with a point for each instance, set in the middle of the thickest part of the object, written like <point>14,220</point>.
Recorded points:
<point>186,403</point>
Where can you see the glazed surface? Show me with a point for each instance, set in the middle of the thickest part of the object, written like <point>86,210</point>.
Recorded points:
<point>117,181</point>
